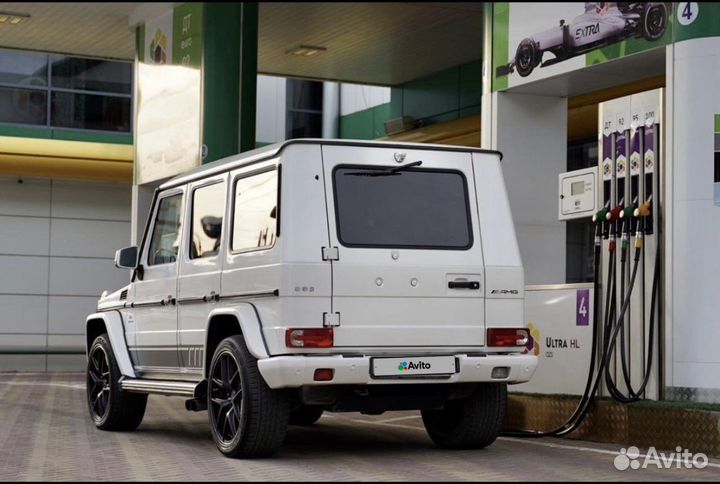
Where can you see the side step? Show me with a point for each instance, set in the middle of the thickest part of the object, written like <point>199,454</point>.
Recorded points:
<point>161,387</point>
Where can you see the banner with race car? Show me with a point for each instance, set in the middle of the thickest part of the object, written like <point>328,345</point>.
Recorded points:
<point>533,41</point>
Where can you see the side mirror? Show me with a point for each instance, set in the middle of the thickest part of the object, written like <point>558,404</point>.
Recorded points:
<point>126,258</point>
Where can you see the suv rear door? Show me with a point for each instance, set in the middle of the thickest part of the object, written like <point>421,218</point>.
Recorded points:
<point>409,267</point>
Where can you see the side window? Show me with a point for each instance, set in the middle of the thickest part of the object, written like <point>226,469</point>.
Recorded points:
<point>255,211</point>
<point>207,217</point>
<point>166,231</point>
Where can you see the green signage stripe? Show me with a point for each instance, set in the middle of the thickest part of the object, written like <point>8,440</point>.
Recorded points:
<point>187,35</point>
<point>500,50</point>
<point>705,24</point>
<point>717,123</point>
<point>140,42</point>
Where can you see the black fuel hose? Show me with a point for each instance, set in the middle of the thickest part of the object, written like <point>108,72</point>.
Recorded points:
<point>611,333</point>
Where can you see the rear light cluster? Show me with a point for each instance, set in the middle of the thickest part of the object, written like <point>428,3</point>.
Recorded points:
<point>507,337</point>
<point>309,338</point>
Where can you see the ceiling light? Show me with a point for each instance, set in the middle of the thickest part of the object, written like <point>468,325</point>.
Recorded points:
<point>13,18</point>
<point>306,50</point>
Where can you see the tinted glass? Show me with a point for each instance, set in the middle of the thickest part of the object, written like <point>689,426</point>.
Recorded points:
<point>411,208</point>
<point>305,94</point>
<point>23,106</point>
<point>255,216</point>
<point>90,111</point>
<point>23,68</point>
<point>166,232</point>
<point>91,75</point>
<point>304,125</point>
<point>207,217</point>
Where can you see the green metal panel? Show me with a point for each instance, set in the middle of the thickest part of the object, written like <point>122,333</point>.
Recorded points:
<point>381,114</point>
<point>221,79</point>
<point>68,135</point>
<point>432,95</point>
<point>396,101</point>
<point>23,132</point>
<point>248,74</point>
<point>230,78</point>
<point>470,84</point>
<point>116,138</point>
<point>357,125</point>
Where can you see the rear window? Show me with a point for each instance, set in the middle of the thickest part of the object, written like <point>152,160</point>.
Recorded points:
<point>413,208</point>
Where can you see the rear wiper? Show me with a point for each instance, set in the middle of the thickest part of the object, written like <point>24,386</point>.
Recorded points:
<point>388,172</point>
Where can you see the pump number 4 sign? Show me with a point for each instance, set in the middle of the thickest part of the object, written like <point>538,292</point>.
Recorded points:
<point>687,12</point>
<point>582,317</point>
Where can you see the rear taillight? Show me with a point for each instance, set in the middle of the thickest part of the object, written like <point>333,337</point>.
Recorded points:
<point>505,337</point>
<point>309,338</point>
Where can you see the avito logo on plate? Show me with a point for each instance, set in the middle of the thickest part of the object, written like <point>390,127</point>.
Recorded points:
<point>409,365</point>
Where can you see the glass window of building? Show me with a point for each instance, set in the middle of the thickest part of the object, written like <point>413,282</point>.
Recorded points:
<point>304,109</point>
<point>65,92</point>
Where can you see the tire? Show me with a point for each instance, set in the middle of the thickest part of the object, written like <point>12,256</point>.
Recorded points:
<point>473,422</point>
<point>247,418</point>
<point>305,416</point>
<point>527,57</point>
<point>110,407</point>
<point>654,20</point>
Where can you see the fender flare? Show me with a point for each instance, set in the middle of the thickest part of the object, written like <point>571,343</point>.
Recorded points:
<point>116,332</point>
<point>250,326</point>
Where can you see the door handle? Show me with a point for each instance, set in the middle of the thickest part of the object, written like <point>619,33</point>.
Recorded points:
<point>168,301</point>
<point>474,285</point>
<point>213,296</point>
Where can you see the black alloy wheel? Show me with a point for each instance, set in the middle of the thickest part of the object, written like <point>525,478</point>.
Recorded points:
<point>98,383</point>
<point>225,387</point>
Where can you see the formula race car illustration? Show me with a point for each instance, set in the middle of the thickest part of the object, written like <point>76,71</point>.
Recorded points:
<point>602,24</point>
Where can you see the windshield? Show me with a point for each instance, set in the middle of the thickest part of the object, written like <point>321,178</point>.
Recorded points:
<point>413,208</point>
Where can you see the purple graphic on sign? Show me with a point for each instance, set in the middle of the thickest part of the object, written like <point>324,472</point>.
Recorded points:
<point>582,308</point>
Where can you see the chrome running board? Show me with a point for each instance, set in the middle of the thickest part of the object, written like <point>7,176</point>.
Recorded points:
<point>161,387</point>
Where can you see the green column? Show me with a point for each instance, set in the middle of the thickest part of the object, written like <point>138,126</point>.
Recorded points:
<point>229,78</point>
<point>248,75</point>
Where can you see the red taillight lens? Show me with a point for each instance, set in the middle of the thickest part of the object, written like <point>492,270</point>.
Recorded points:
<point>323,374</point>
<point>309,338</point>
<point>507,337</point>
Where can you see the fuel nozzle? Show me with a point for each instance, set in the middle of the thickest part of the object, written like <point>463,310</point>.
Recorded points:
<point>600,220</point>
<point>626,219</point>
<point>641,214</point>
<point>613,216</point>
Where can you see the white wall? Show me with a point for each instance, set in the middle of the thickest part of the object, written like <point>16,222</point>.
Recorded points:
<point>531,132</point>
<point>356,97</point>
<point>693,221</point>
<point>271,109</point>
<point>57,244</point>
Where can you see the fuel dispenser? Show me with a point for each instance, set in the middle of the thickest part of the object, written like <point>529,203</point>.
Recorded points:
<point>624,357</point>
<point>630,201</point>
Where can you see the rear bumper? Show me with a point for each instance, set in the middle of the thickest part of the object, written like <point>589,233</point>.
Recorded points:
<point>298,371</point>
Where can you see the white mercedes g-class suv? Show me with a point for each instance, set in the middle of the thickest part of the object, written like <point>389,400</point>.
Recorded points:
<point>319,275</point>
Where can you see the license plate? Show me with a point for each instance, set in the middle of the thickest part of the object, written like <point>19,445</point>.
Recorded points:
<point>413,366</point>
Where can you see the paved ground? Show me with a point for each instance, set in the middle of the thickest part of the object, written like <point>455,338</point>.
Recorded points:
<point>46,434</point>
